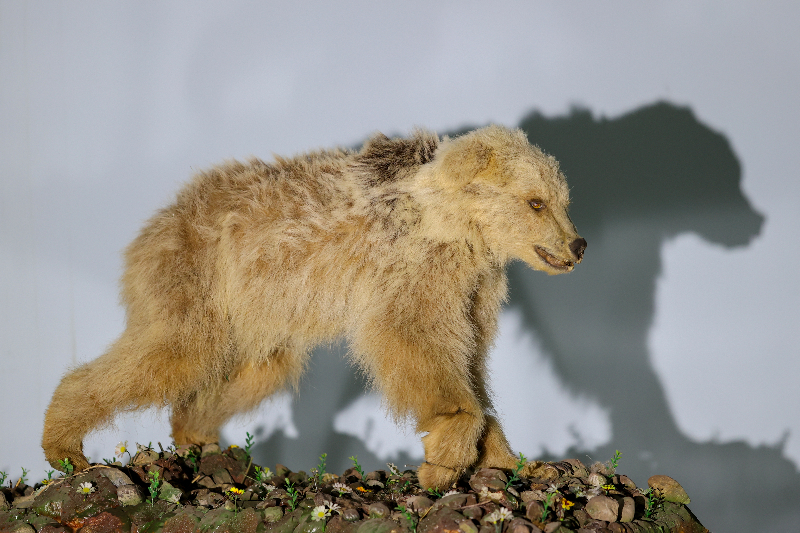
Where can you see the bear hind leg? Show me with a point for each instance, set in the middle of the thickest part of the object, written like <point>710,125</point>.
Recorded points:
<point>90,395</point>
<point>198,419</point>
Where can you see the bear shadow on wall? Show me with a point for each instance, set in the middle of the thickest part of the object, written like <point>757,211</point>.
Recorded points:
<point>635,182</point>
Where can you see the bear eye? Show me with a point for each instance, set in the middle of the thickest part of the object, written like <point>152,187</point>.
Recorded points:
<point>537,205</point>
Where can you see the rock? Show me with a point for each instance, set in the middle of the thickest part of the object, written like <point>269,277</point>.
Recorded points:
<point>628,509</point>
<point>3,502</point>
<point>378,510</point>
<point>211,448</point>
<point>169,493</point>
<point>467,526</point>
<point>596,479</point>
<point>22,528</point>
<point>454,501</point>
<point>272,514</point>
<point>442,521</point>
<point>129,495</point>
<point>379,525</point>
<point>419,504</point>
<point>670,489</point>
<point>144,457</point>
<point>603,508</point>
<point>628,482</point>
<point>491,479</point>
<point>350,515</point>
<point>534,511</point>
<point>578,468</point>
<point>23,502</point>
<point>115,476</point>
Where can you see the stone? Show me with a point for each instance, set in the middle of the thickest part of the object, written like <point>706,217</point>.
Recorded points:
<point>115,476</point>
<point>169,493</point>
<point>378,510</point>
<point>272,514</point>
<point>468,526</point>
<point>129,495</point>
<point>144,457</point>
<point>350,515</point>
<point>379,525</point>
<point>23,502</point>
<point>211,448</point>
<point>491,479</point>
<point>578,468</point>
<point>603,508</point>
<point>596,479</point>
<point>628,509</point>
<point>22,528</point>
<point>419,504</point>
<point>534,511</point>
<point>669,489</point>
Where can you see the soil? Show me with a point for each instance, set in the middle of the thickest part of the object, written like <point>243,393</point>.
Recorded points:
<point>212,490</point>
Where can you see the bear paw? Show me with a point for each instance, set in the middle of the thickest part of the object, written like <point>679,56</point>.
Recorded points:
<point>437,477</point>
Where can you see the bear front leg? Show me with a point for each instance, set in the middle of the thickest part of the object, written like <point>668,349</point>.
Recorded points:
<point>429,382</point>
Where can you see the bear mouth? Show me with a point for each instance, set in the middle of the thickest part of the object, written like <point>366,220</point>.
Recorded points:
<point>552,260</point>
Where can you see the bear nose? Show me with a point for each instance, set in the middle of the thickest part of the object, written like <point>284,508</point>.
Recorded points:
<point>578,246</point>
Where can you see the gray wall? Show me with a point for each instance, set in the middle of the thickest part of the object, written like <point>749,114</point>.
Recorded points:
<point>674,122</point>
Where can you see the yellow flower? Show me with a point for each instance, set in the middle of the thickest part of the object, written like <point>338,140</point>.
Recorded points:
<point>236,491</point>
<point>566,504</point>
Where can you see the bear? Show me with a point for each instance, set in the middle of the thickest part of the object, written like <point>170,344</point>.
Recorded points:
<point>399,247</point>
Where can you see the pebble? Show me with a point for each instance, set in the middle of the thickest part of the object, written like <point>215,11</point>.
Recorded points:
<point>603,508</point>
<point>597,479</point>
<point>378,510</point>
<point>670,489</point>
<point>129,495</point>
<point>628,509</point>
<point>488,478</point>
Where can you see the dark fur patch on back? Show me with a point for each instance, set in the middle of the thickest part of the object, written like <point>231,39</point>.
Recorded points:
<point>384,160</point>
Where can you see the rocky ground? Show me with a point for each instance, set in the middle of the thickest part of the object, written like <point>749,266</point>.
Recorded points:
<point>211,490</point>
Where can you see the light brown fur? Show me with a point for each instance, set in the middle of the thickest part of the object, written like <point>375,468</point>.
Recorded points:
<point>399,247</point>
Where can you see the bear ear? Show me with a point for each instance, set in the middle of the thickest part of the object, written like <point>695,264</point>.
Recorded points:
<point>463,159</point>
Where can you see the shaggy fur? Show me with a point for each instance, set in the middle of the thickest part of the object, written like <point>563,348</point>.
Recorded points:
<point>399,247</point>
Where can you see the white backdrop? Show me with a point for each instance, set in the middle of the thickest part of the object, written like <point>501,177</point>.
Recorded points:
<point>106,107</point>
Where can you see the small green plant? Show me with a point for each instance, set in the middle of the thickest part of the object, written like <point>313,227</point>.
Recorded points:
<point>409,516</point>
<point>293,493</point>
<point>155,483</point>
<point>548,501</point>
<point>3,477</point>
<point>193,458</point>
<point>66,466</point>
<point>24,478</point>
<point>615,461</point>
<point>654,501</point>
<point>248,442</point>
<point>49,477</point>
<point>262,475</point>
<point>517,469</point>
<point>357,466</point>
<point>322,465</point>
<point>435,492</point>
